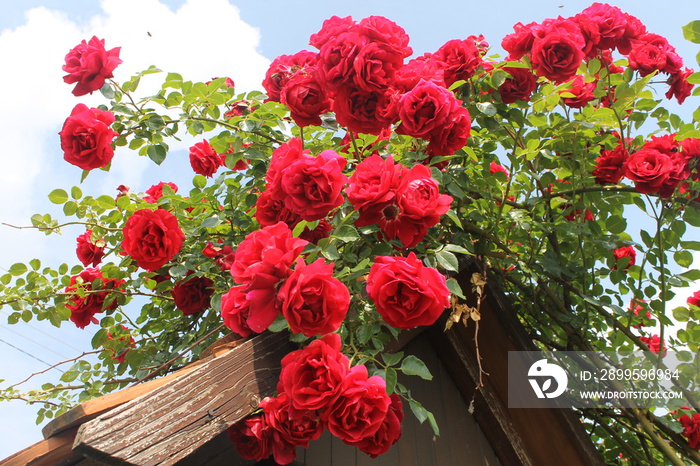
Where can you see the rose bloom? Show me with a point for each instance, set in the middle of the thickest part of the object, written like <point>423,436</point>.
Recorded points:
<point>283,68</point>
<point>519,43</point>
<point>519,86</point>
<point>203,159</point>
<point>270,209</point>
<point>321,231</point>
<point>634,29</point>
<point>602,25</point>
<point>312,376</point>
<point>424,109</point>
<point>459,60</point>
<point>155,192</point>
<point>374,67</point>
<point>652,52</point>
<point>557,50</point>
<point>407,293</point>
<point>152,238</point>
<point>447,139</point>
<point>86,137</point>
<point>610,165</point>
<point>223,256</point>
<point>305,97</point>
<point>625,251</point>
<point>680,88</point>
<point>83,308</point>
<point>373,186</point>
<point>495,167</point>
<point>193,294</point>
<point>314,302</point>
<point>88,64</point>
<point>388,433</point>
<point>235,312</point>
<point>252,438</point>
<point>369,112</point>
<point>288,432</point>
<point>313,186</point>
<point>691,429</point>
<point>423,68</point>
<point>87,251</point>
<point>637,306</point>
<point>121,356</point>
<point>360,408</point>
<point>331,27</point>
<point>649,169</point>
<point>336,58</point>
<point>265,256</point>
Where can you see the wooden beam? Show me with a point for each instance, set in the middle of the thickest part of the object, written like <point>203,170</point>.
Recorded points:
<point>51,452</point>
<point>167,424</point>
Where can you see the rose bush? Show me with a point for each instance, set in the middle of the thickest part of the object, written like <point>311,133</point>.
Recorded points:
<point>338,205</point>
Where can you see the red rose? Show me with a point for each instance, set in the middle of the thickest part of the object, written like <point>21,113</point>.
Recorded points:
<point>496,167</point>
<point>88,64</point>
<point>625,251</point>
<point>519,86</point>
<point>374,67</point>
<point>581,90</point>
<point>282,157</point>
<point>321,231</point>
<point>680,88</point>
<point>305,97</point>
<point>610,166</point>
<point>270,209</point>
<point>313,186</point>
<point>649,169</point>
<point>519,43</point>
<point>83,308</point>
<point>235,311</point>
<point>265,256</point>
<point>360,408</point>
<point>152,238</point>
<point>691,429</point>
<point>252,438</point>
<point>421,68</point>
<point>283,68</point>
<point>652,52</point>
<point>223,257</point>
<point>312,376</point>
<point>602,25</point>
<point>425,109</point>
<point>373,186</point>
<point>89,252</point>
<point>86,137</point>
<point>193,294</point>
<point>369,112</point>
<point>406,293</point>
<point>331,28</point>
<point>155,192</point>
<point>336,58</point>
<point>203,159</point>
<point>288,432</point>
<point>121,356</point>
<point>458,59</point>
<point>388,433</point>
<point>390,35</point>
<point>633,30</point>
<point>557,50</point>
<point>314,302</point>
<point>447,139</point>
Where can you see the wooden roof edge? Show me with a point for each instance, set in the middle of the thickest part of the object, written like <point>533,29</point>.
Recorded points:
<point>90,409</point>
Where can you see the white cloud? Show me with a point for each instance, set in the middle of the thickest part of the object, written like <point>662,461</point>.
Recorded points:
<point>201,40</point>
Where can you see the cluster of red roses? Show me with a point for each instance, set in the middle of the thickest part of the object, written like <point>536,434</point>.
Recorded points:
<point>318,389</point>
<point>359,74</point>
<point>88,291</point>
<point>557,47</point>
<point>205,161</point>
<point>660,166</point>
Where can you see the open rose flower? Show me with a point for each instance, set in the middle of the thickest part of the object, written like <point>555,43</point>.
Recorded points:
<point>305,97</point>
<point>425,109</point>
<point>252,438</point>
<point>235,312</point>
<point>88,64</point>
<point>388,433</point>
<point>610,166</point>
<point>691,429</point>
<point>155,192</point>
<point>314,302</point>
<point>88,252</point>
<point>519,86</point>
<point>152,238</point>
<point>373,187</point>
<point>193,294</point>
<point>83,308</point>
<point>625,251</point>
<point>407,293</point>
<point>360,408</point>
<point>203,159</point>
<point>557,50</point>
<point>86,137</point>
<point>312,376</point>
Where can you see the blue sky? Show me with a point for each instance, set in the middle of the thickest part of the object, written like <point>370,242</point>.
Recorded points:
<point>200,39</point>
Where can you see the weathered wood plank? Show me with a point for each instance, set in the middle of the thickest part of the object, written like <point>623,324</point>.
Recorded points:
<point>55,451</point>
<point>167,424</point>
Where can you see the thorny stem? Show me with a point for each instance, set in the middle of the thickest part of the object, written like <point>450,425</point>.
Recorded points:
<point>53,367</point>
<point>89,224</point>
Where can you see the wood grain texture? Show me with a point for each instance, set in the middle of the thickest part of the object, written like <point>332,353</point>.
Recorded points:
<point>169,423</point>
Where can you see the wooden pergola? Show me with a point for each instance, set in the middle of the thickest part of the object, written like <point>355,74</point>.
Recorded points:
<point>182,418</point>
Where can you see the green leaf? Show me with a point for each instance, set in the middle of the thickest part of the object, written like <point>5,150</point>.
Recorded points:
<point>211,222</point>
<point>391,359</point>
<point>18,269</point>
<point>422,414</point>
<point>390,377</point>
<point>487,108</point>
<point>411,365</point>
<point>683,258</point>
<point>616,224</point>
<point>454,288</point>
<point>681,314</point>
<point>58,196</point>
<point>157,153</point>
<point>199,181</point>
<point>691,32</point>
<point>447,260</point>
<point>76,193</point>
<point>347,233</point>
